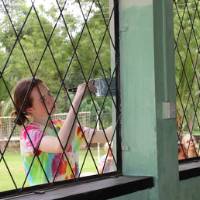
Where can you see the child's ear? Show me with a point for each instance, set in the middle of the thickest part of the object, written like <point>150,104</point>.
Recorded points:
<point>29,110</point>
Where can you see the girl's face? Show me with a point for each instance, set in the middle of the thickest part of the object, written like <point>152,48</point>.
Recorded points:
<point>189,144</point>
<point>42,102</point>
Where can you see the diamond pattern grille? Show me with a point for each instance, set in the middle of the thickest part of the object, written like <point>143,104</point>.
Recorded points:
<point>64,43</point>
<point>187,40</point>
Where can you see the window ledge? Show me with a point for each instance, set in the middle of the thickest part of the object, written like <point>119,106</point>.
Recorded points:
<point>189,169</point>
<point>95,189</point>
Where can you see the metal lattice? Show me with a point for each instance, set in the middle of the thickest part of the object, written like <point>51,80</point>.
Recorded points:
<point>187,40</point>
<point>64,43</point>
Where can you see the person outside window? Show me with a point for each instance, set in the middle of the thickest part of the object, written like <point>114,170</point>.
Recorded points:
<point>49,148</point>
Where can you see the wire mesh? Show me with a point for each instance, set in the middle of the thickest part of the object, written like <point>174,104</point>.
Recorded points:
<point>187,40</point>
<point>64,43</point>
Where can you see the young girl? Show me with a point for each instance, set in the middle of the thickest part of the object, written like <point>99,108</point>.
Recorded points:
<point>50,154</point>
<point>107,163</point>
<point>189,146</point>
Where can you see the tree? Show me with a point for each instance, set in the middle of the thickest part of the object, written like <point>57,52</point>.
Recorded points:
<point>59,52</point>
<point>186,23</point>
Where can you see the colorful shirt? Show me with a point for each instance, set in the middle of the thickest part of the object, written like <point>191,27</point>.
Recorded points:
<point>41,167</point>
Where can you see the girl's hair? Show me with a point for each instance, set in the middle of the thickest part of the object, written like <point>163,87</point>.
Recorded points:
<point>22,98</point>
<point>188,137</point>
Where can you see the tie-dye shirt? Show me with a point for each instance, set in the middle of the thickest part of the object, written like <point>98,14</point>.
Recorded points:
<point>42,167</point>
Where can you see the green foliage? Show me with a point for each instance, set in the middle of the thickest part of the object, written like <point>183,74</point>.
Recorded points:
<point>48,52</point>
<point>13,159</point>
<point>187,37</point>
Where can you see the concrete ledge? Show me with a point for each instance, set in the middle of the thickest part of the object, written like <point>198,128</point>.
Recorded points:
<point>189,169</point>
<point>106,188</point>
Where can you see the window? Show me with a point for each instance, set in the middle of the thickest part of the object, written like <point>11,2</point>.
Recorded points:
<point>63,43</point>
<point>186,23</point>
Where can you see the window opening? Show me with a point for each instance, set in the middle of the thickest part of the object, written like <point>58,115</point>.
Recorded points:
<point>186,23</point>
<point>62,57</point>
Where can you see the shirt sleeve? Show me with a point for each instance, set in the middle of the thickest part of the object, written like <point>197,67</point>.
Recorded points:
<point>30,140</point>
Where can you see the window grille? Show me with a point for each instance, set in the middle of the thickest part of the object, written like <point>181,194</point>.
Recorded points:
<point>187,40</point>
<point>64,43</point>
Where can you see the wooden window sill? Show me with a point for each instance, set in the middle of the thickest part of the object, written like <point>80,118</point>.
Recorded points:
<point>106,188</point>
<point>189,169</point>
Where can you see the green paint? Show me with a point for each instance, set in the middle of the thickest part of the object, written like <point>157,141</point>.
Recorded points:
<point>165,92</point>
<point>148,80</point>
<point>138,95</point>
<point>189,189</point>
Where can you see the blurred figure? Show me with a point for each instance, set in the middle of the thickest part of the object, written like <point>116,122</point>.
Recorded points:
<point>188,148</point>
<point>107,163</point>
<point>53,145</point>
<point>181,153</point>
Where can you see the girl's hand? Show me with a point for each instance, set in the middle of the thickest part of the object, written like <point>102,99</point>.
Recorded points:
<point>84,88</point>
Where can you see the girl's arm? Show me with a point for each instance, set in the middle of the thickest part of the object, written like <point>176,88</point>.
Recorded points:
<point>98,136</point>
<point>51,143</point>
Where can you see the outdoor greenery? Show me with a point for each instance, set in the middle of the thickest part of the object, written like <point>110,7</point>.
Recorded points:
<point>63,44</point>
<point>187,60</point>
<point>61,49</point>
<point>14,162</point>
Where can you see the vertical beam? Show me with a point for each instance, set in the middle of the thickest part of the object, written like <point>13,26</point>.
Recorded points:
<point>138,89</point>
<point>165,93</point>
<point>147,83</point>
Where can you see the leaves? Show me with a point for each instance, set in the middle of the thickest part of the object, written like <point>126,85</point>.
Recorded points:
<point>61,49</point>
<point>187,40</point>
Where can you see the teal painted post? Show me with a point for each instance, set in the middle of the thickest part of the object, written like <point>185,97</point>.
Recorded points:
<point>138,91</point>
<point>165,92</point>
<point>147,84</point>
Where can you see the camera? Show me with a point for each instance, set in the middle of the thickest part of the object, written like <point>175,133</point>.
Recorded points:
<point>104,87</point>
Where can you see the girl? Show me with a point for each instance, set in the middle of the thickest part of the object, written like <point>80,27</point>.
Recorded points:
<point>50,154</point>
<point>107,163</point>
<point>189,145</point>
